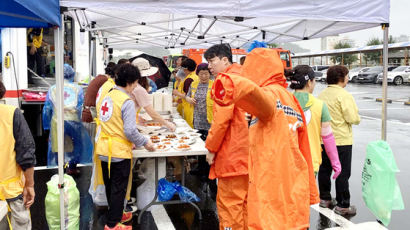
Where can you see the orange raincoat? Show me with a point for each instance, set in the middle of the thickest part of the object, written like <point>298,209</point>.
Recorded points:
<point>281,180</point>
<point>228,139</point>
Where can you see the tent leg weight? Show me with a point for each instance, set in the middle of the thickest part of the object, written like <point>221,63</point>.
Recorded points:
<point>381,100</point>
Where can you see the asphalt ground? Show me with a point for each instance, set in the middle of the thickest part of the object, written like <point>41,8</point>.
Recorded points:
<point>369,129</point>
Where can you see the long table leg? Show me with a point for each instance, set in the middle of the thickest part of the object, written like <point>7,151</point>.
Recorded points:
<point>183,171</point>
<point>183,184</point>
<point>156,193</point>
<point>154,201</point>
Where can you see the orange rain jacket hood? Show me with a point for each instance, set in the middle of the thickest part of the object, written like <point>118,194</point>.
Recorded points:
<point>281,180</point>
<point>228,138</point>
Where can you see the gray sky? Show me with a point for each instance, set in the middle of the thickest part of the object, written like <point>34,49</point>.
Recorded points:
<point>399,19</point>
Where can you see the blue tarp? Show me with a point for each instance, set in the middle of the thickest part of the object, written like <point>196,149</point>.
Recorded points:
<point>29,13</point>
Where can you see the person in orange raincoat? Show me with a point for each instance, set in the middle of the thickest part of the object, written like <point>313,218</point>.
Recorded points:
<point>228,144</point>
<point>281,180</point>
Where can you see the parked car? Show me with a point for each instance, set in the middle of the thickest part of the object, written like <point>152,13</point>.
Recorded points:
<point>353,73</point>
<point>321,75</point>
<point>371,75</point>
<point>397,76</point>
<point>320,67</point>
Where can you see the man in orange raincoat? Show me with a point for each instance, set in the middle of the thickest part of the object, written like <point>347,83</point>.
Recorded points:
<point>281,180</point>
<point>228,144</point>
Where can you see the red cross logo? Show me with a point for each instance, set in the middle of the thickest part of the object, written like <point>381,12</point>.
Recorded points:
<point>66,95</point>
<point>104,108</point>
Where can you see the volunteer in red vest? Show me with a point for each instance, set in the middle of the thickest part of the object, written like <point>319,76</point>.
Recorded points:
<point>17,161</point>
<point>116,133</point>
<point>228,146</point>
<point>281,180</point>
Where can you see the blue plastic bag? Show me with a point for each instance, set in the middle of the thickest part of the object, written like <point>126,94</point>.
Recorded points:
<point>187,195</point>
<point>166,190</point>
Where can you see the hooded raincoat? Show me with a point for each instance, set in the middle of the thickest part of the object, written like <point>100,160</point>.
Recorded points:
<point>78,147</point>
<point>281,180</point>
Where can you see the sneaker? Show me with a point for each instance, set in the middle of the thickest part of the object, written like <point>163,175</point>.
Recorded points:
<point>132,201</point>
<point>130,208</point>
<point>350,211</point>
<point>126,216</point>
<point>119,226</point>
<point>327,203</point>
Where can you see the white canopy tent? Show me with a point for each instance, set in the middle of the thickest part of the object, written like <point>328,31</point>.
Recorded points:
<point>202,23</point>
<point>187,23</point>
<point>199,23</point>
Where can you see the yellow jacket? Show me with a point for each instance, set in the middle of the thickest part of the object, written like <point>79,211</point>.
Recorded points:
<point>37,40</point>
<point>188,109</point>
<point>179,85</point>
<point>344,112</point>
<point>314,124</point>
<point>11,176</point>
<point>209,101</point>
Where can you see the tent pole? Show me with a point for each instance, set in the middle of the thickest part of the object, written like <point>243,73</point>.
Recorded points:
<point>59,40</point>
<point>385,27</point>
<point>91,58</point>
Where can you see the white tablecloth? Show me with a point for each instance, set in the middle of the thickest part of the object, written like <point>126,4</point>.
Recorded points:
<point>196,149</point>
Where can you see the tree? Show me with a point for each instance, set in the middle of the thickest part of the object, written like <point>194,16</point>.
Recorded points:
<point>375,56</point>
<point>348,59</point>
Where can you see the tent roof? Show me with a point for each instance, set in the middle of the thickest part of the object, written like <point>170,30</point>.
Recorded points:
<point>23,13</point>
<point>199,23</point>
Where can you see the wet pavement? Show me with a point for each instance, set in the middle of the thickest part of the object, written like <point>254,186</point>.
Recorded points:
<point>183,216</point>
<point>398,136</point>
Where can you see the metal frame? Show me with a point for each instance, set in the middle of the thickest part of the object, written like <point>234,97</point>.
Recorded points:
<point>192,30</point>
<point>385,28</point>
<point>154,200</point>
<point>165,32</point>
<point>59,47</point>
<point>287,31</point>
<point>209,27</point>
<point>324,28</point>
<point>263,28</point>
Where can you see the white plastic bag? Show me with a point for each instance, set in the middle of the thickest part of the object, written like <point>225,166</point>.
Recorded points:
<point>99,196</point>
